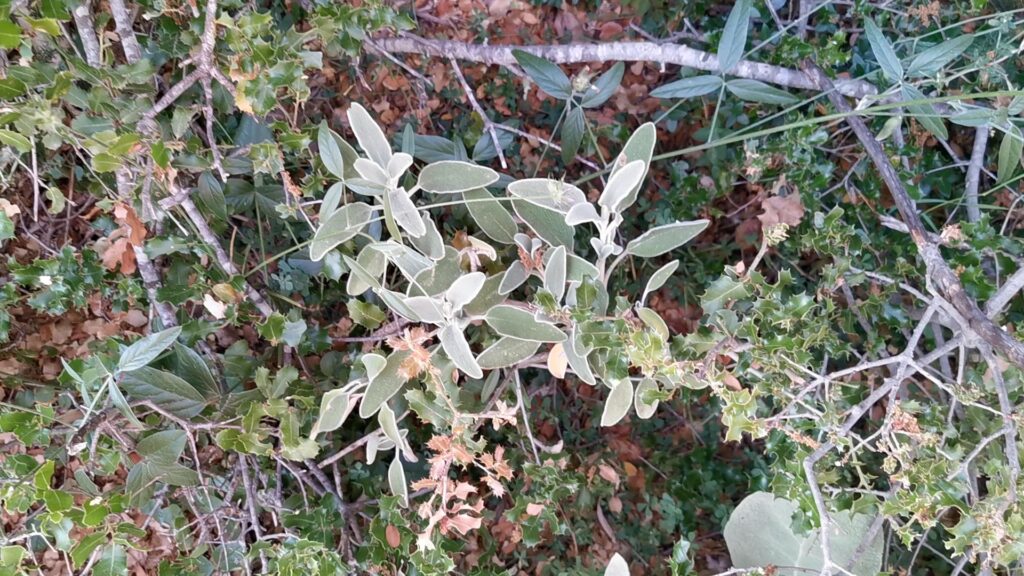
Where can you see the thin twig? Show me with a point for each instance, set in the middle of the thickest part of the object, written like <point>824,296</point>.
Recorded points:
<point>974,172</point>
<point>938,271</point>
<point>488,124</point>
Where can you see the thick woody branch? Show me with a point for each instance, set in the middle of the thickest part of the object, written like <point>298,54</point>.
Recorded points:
<point>87,33</point>
<point>124,22</point>
<point>939,273</point>
<point>615,52</point>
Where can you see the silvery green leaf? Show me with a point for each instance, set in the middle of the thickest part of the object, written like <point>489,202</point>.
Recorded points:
<point>658,279</point>
<point>385,385</point>
<point>883,51</point>
<point>465,289</point>
<point>146,349</point>
<point>370,171</point>
<point>573,129</point>
<point>691,87</point>
<point>756,91</point>
<point>924,113</point>
<point>364,187</point>
<point>640,146</point>
<point>453,341</point>
<point>488,297</point>
<point>437,149</point>
<point>338,228</point>
<point>397,166</point>
<point>549,225</point>
<point>554,273</point>
<point>582,213</point>
<point>506,352</point>
<point>929,62</point>
<point>396,302</point>
<point>396,480</point>
<point>603,88</point>
<point>1010,153</point>
<point>889,128</point>
<point>518,323</point>
<point>547,193</point>
<point>576,354</point>
<point>654,321</point>
<point>513,278</point>
<point>973,117</point>
<point>389,424</point>
<point>484,149</point>
<point>524,242</point>
<point>333,266</point>
<point>334,409</point>
<point>619,187</point>
<point>452,177</point>
<point>167,391</point>
<point>577,268</point>
<point>435,279</point>
<point>405,212</point>
<point>644,409</point>
<point>330,153</point>
<point>374,364</point>
<point>618,403</point>
<point>760,533</point>
<point>409,261</point>
<point>548,77</point>
<point>364,276</point>
<point>734,36</point>
<point>331,200</point>
<point>373,445</point>
<point>430,244</point>
<point>371,138</point>
<point>662,239</point>
<point>426,309</point>
<point>490,215</point>
<point>617,566</point>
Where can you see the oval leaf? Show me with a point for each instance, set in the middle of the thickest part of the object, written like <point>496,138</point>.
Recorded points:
<point>452,177</point>
<point>618,403</point>
<point>549,77</point>
<point>734,36</point>
<point>755,91</point>
<point>456,347</point>
<point>340,227</point>
<point>662,239</point>
<point>507,352</point>
<point>371,138</point>
<point>691,87</point>
<point>518,323</point>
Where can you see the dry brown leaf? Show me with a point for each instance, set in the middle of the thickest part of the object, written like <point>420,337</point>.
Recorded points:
<point>534,509</point>
<point>781,210</point>
<point>392,535</point>
<point>557,362</point>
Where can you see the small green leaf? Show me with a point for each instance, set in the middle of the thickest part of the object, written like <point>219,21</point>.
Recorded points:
<point>658,279</point>
<point>145,350</point>
<point>17,141</point>
<point>605,85</point>
<point>691,87</point>
<point>165,390</point>
<point>734,36</point>
<point>518,323</point>
<point>111,562</point>
<point>549,225</point>
<point>10,35</point>
<point>549,77</point>
<point>404,211</point>
<point>883,51</point>
<point>554,273</point>
<point>1010,153</point>
<point>929,62</point>
<point>645,409</point>
<point>662,239</point>
<point>336,154</point>
<point>547,193</point>
<point>452,177</point>
<point>621,185</point>
<point>572,134</point>
<point>755,91</point>
<point>721,292</point>
<point>640,146</point>
<point>924,113</point>
<point>620,399</point>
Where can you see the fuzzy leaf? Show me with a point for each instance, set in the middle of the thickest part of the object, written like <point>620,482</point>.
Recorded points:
<point>340,227</point>
<point>620,399</point>
<point>662,239</point>
<point>452,177</point>
<point>371,138</point>
<point>518,323</point>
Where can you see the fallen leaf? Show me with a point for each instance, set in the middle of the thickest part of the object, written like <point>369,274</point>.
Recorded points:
<point>215,307</point>
<point>557,361</point>
<point>392,535</point>
<point>608,473</point>
<point>781,210</point>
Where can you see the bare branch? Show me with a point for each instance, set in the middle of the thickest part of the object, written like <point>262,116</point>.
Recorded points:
<point>938,271</point>
<point>87,33</point>
<point>615,52</point>
<point>974,172</point>
<point>124,22</point>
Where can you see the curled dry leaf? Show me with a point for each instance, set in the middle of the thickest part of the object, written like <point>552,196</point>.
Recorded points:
<point>557,361</point>
<point>781,210</point>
